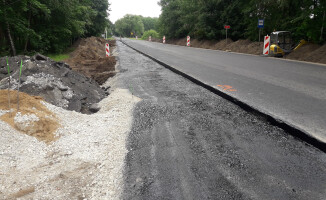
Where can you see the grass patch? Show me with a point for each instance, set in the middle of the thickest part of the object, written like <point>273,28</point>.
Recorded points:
<point>58,57</point>
<point>61,56</point>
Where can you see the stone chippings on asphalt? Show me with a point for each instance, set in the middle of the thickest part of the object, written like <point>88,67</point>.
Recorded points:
<point>85,162</point>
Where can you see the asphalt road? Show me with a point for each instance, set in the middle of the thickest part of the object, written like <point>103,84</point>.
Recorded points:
<point>188,143</point>
<point>293,92</point>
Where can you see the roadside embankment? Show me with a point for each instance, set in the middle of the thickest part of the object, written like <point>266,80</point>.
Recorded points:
<point>53,147</point>
<point>308,52</point>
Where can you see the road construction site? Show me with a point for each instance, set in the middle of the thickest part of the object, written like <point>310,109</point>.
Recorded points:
<point>125,127</point>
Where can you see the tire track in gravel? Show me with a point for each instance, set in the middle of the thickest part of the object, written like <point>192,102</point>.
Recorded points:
<point>188,143</point>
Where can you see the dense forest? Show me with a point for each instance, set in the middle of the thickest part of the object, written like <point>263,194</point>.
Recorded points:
<point>49,25</point>
<point>135,25</point>
<point>205,19</point>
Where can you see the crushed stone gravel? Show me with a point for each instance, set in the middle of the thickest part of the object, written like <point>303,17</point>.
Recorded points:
<point>86,162</point>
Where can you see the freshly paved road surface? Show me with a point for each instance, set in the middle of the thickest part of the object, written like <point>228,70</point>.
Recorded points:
<point>292,92</point>
<point>188,143</point>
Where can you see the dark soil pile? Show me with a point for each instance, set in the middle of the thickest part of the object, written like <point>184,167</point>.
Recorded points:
<point>90,59</point>
<point>54,81</point>
<point>303,52</point>
<point>310,53</point>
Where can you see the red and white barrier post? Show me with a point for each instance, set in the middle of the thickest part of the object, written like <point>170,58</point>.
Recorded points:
<point>188,41</point>
<point>163,39</point>
<point>150,38</point>
<point>267,42</point>
<point>107,48</point>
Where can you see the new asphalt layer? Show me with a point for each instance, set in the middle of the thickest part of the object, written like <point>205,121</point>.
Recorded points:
<point>188,143</point>
<point>293,93</point>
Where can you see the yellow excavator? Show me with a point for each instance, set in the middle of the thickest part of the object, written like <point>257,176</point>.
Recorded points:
<point>281,43</point>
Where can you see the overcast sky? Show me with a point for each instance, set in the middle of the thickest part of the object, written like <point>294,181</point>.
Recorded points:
<point>146,8</point>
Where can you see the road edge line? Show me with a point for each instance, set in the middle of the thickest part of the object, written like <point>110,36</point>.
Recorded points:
<point>295,132</point>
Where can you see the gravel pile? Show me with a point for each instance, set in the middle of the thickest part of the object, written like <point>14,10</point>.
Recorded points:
<point>54,81</point>
<point>86,161</point>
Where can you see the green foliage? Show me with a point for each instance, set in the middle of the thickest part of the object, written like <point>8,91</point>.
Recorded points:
<point>134,25</point>
<point>206,19</point>
<point>129,26</point>
<point>151,33</point>
<point>50,25</point>
<point>58,57</point>
<point>149,23</point>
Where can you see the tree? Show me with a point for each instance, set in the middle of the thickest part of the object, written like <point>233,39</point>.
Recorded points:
<point>151,33</point>
<point>149,23</point>
<point>205,19</point>
<point>129,25</point>
<point>49,25</point>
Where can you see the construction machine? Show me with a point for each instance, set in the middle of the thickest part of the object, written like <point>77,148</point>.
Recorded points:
<point>281,43</point>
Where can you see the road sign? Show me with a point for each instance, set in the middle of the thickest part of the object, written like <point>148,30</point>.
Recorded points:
<point>260,23</point>
<point>227,26</point>
<point>188,41</point>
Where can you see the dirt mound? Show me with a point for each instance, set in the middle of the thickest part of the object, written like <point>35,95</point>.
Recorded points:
<point>223,44</point>
<point>54,81</point>
<point>303,52</point>
<point>310,53</point>
<point>33,118</point>
<point>90,59</point>
<point>246,46</point>
<point>319,55</point>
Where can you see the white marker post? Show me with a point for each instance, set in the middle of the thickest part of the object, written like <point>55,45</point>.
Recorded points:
<point>163,39</point>
<point>150,38</point>
<point>107,48</point>
<point>267,42</point>
<point>188,41</point>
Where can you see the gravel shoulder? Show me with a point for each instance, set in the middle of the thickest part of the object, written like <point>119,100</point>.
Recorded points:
<point>188,143</point>
<point>86,162</point>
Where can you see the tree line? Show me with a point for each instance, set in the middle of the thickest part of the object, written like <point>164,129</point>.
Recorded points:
<point>135,25</point>
<point>49,25</point>
<point>205,19</point>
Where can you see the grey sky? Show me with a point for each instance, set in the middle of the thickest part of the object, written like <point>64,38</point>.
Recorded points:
<point>146,8</point>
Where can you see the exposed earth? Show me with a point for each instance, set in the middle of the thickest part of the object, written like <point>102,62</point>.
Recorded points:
<point>90,60</point>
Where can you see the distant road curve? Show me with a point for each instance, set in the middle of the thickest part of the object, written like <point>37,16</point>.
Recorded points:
<point>290,91</point>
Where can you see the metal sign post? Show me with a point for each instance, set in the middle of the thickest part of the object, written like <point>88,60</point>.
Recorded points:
<point>260,26</point>
<point>226,29</point>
